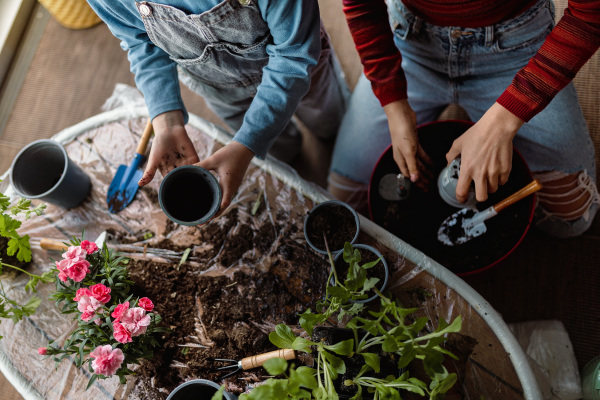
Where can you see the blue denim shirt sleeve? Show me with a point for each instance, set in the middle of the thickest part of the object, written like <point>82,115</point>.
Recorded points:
<point>155,73</point>
<point>296,47</point>
<point>295,28</point>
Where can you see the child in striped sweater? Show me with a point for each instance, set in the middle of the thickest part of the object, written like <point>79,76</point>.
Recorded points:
<point>507,65</point>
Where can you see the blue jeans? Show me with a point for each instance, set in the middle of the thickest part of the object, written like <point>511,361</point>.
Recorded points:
<point>470,67</point>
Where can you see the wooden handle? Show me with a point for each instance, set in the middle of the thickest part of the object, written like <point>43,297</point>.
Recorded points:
<point>258,360</point>
<point>526,191</point>
<point>141,149</point>
<point>51,244</point>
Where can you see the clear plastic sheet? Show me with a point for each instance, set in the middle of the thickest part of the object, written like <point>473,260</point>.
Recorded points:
<point>497,367</point>
<point>547,343</point>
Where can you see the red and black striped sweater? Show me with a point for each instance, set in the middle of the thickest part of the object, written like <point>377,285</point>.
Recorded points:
<point>567,48</point>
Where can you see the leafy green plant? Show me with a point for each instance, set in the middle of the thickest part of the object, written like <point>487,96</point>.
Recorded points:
<point>389,330</point>
<point>18,246</point>
<point>114,328</point>
<point>341,295</point>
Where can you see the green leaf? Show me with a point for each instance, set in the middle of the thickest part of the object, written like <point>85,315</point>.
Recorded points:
<point>305,377</point>
<point>283,337</point>
<point>343,348</point>
<point>21,246</point>
<point>31,305</point>
<point>445,385</point>
<point>275,366</point>
<point>389,345</point>
<point>308,320</point>
<point>336,363</point>
<point>372,360</point>
<point>302,344</point>
<point>91,381</point>
<point>8,225</point>
<point>408,354</point>
<point>218,395</point>
<point>185,255</point>
<point>4,201</point>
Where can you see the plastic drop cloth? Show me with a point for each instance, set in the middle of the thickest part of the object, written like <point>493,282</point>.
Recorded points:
<point>496,368</point>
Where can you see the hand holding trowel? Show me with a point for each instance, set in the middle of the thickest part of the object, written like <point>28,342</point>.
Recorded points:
<point>468,223</point>
<point>124,185</point>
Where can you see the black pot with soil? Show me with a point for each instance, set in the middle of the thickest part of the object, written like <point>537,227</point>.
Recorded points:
<point>334,221</point>
<point>367,254</point>
<point>417,218</point>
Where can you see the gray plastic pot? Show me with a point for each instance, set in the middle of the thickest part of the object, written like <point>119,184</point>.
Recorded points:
<point>382,285</point>
<point>198,389</point>
<point>337,210</point>
<point>190,195</point>
<point>42,170</point>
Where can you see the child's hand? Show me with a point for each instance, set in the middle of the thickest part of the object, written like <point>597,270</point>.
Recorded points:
<point>230,163</point>
<point>171,146</point>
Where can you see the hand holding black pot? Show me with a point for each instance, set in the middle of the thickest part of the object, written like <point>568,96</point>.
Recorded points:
<point>230,163</point>
<point>486,151</point>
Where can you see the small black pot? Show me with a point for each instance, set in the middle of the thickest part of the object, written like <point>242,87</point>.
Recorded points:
<point>337,220</point>
<point>366,248</point>
<point>43,170</point>
<point>190,195</point>
<point>198,389</point>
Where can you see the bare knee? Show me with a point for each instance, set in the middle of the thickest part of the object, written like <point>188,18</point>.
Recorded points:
<point>572,198</point>
<point>353,193</point>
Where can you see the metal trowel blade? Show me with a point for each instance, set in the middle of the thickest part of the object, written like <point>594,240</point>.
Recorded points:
<point>393,187</point>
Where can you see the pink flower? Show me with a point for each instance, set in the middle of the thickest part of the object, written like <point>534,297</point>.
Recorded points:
<point>62,265</point>
<point>120,333</point>
<point>119,311</point>
<point>74,254</point>
<point>100,293</point>
<point>135,321</point>
<point>89,247</point>
<point>42,351</point>
<point>78,270</point>
<point>106,360</point>
<point>146,304</point>
<point>82,292</point>
<point>88,305</point>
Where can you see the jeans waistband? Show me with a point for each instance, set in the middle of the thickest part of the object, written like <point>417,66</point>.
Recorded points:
<point>485,33</point>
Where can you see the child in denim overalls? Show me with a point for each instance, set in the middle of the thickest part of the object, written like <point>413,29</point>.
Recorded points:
<point>255,62</point>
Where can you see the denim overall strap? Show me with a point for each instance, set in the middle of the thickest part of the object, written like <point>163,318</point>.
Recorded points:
<point>214,47</point>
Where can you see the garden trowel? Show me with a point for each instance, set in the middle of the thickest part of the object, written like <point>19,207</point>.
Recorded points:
<point>393,187</point>
<point>124,185</point>
<point>469,223</point>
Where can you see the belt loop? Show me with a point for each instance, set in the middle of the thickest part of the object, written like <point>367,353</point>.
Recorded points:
<point>489,35</point>
<point>417,25</point>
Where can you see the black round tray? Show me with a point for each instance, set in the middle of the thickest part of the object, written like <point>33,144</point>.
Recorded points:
<point>416,219</point>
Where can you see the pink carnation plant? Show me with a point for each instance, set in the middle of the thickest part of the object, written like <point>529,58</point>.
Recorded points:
<point>93,301</point>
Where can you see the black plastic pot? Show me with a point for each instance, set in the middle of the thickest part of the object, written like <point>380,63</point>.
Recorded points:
<point>364,247</point>
<point>198,389</point>
<point>42,170</point>
<point>337,220</point>
<point>190,195</point>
